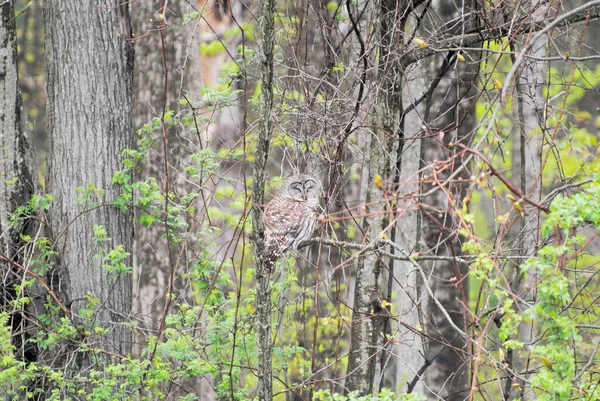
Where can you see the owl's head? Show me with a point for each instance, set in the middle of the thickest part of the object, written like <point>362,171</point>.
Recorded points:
<point>301,187</point>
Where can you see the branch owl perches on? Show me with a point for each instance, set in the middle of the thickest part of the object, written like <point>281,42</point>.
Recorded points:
<point>290,217</point>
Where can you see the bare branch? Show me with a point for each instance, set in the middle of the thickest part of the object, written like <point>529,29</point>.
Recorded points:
<point>589,10</point>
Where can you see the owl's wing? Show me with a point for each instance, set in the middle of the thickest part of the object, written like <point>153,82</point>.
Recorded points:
<point>284,219</point>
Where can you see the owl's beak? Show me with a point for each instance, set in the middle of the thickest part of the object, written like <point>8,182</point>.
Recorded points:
<point>303,197</point>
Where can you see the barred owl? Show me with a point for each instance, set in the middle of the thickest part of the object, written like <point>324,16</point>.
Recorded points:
<point>290,217</point>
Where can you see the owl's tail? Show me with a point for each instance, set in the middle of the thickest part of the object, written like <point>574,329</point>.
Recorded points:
<point>273,252</point>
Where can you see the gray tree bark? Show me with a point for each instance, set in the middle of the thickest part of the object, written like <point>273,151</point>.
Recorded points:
<point>153,86</point>
<point>17,184</point>
<point>401,367</point>
<point>367,311</point>
<point>176,45</point>
<point>90,73</point>
<point>369,316</point>
<point>448,375</point>
<point>17,171</point>
<point>526,168</point>
<point>401,362</point>
<point>265,132</point>
<point>449,118</point>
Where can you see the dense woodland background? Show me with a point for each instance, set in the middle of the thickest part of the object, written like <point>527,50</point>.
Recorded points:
<point>455,256</point>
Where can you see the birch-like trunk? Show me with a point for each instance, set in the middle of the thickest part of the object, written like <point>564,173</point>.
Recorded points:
<point>402,365</point>
<point>529,116</point>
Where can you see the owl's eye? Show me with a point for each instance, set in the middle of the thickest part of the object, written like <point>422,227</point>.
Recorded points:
<point>296,187</point>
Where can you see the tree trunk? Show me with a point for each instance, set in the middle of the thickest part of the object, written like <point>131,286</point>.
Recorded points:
<point>265,132</point>
<point>367,312</point>
<point>90,73</point>
<point>401,369</point>
<point>369,315</point>
<point>17,183</point>
<point>449,118</point>
<point>401,363</point>
<point>448,375</point>
<point>16,153</point>
<point>176,47</point>
<point>526,167</point>
<point>153,86</point>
